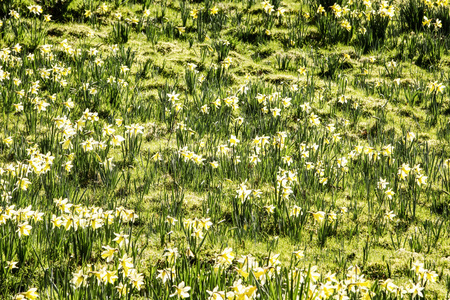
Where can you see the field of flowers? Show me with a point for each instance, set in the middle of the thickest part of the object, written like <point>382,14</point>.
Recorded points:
<point>172,149</point>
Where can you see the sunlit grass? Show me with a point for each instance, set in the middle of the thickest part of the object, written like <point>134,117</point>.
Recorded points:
<point>224,150</point>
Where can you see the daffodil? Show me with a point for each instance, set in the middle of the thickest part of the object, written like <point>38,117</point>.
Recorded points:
<point>299,254</point>
<point>137,280</point>
<point>31,294</point>
<point>319,216</point>
<point>421,179</point>
<point>166,274</point>
<point>389,216</point>
<point>226,257</point>
<point>410,136</point>
<point>108,254</point>
<point>79,279</point>
<point>126,264</point>
<point>35,9</point>
<point>213,10</point>
<point>11,265</point>
<point>110,277</point>
<point>181,291</point>
<point>233,140</point>
<point>23,229</point>
<point>121,239</point>
<point>389,193</point>
<point>416,290</point>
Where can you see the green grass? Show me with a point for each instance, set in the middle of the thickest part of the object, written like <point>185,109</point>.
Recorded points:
<point>253,62</point>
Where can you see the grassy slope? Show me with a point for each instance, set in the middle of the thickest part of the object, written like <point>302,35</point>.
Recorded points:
<point>340,250</point>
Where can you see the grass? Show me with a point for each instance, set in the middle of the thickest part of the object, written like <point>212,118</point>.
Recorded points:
<point>229,147</point>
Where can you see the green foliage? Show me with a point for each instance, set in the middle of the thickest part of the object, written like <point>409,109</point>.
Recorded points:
<point>120,33</point>
<point>274,150</point>
<point>330,30</point>
<point>411,15</point>
<point>372,34</point>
